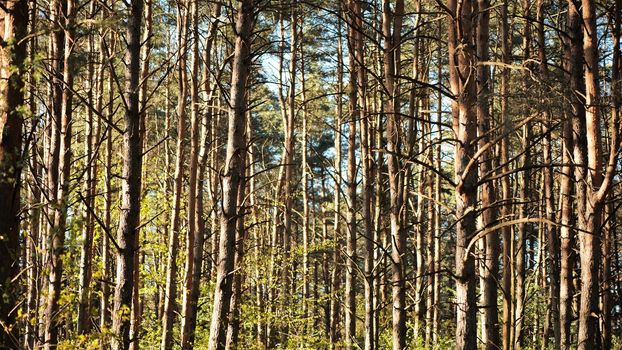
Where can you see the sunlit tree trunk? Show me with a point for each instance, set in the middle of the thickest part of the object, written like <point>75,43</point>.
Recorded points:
<point>506,209</point>
<point>233,173</point>
<point>488,195</point>
<point>351,232</point>
<point>170,298</point>
<point>391,29</point>
<point>461,65</point>
<point>335,278</point>
<point>190,309</point>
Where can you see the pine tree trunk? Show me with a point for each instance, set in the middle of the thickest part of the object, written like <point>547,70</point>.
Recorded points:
<point>233,173</point>
<point>63,137</point>
<point>15,28</point>
<point>391,29</point>
<point>170,299</point>
<point>488,195</point>
<point>129,216</point>
<point>461,65</point>
<point>351,233</point>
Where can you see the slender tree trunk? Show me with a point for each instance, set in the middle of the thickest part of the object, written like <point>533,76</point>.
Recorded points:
<point>233,173</point>
<point>63,135</point>
<point>233,329</point>
<point>436,316</point>
<point>104,322</point>
<point>506,209</point>
<point>351,233</point>
<point>551,230</point>
<point>170,299</point>
<point>571,139</point>
<point>336,273</point>
<point>488,195</point>
<point>193,216</point>
<point>34,239</point>
<point>461,65</point>
<point>606,300</point>
<point>392,39</point>
<point>129,216</point>
<point>94,99</point>
<point>524,229</point>
<point>305,189</point>
<point>189,321</point>
<point>366,160</point>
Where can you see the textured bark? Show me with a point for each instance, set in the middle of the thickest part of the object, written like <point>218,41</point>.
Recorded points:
<point>104,321</point>
<point>233,174</point>
<point>33,239</point>
<point>573,141</point>
<point>351,234</point>
<point>436,263</point>
<point>62,132</point>
<point>190,309</point>
<point>367,176</point>
<point>306,234</point>
<point>233,329</point>
<point>488,195</point>
<point>524,229</point>
<point>609,236</point>
<point>552,235</point>
<point>335,277</point>
<point>506,209</point>
<point>461,65</point>
<point>94,98</point>
<point>14,28</point>
<point>589,336</point>
<point>129,216</point>
<point>391,30</point>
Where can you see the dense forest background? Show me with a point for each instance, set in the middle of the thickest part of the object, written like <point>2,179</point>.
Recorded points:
<point>310,174</point>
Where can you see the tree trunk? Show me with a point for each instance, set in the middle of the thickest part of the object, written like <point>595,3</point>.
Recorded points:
<point>392,40</point>
<point>170,299</point>
<point>589,336</point>
<point>104,322</point>
<point>573,138</point>
<point>233,329</point>
<point>189,320</point>
<point>15,29</point>
<point>488,195</point>
<point>506,209</point>
<point>94,99</point>
<point>461,64</point>
<point>335,277</point>
<point>357,46</point>
<point>63,137</point>
<point>351,234</point>
<point>129,216</point>
<point>233,173</point>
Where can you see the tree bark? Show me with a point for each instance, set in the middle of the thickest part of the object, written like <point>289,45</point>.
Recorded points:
<point>233,173</point>
<point>62,135</point>
<point>129,216</point>
<point>391,29</point>
<point>461,64</point>
<point>351,234</point>
<point>189,320</point>
<point>335,277</point>
<point>488,195</point>
<point>170,299</point>
<point>12,76</point>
